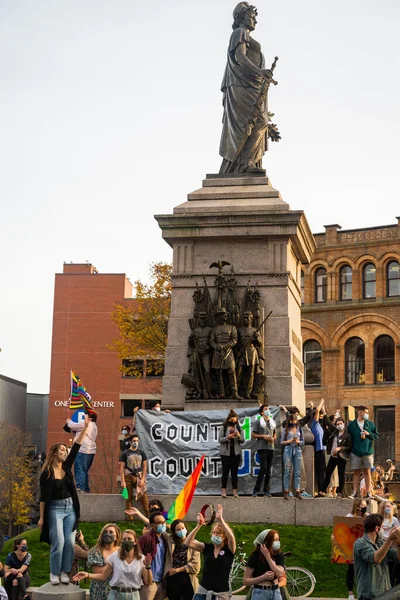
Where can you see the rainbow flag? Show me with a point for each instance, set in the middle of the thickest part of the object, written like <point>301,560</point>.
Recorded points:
<point>79,397</point>
<point>183,501</point>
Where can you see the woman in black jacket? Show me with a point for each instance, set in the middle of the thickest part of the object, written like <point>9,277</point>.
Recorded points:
<point>59,507</point>
<point>339,447</point>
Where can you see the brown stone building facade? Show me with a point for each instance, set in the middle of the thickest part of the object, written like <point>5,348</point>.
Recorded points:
<point>82,330</point>
<point>351,326</point>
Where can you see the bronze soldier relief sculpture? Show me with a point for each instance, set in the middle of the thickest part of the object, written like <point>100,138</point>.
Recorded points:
<point>225,346</point>
<point>246,121</point>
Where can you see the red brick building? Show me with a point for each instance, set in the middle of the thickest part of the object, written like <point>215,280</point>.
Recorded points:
<point>351,326</point>
<point>82,328</point>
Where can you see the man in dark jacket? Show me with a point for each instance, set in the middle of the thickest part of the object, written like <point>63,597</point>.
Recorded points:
<point>338,446</point>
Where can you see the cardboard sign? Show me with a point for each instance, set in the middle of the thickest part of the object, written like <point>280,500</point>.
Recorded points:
<point>346,530</point>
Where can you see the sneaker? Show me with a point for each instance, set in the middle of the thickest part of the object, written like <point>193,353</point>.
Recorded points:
<point>268,494</point>
<point>369,495</point>
<point>64,577</point>
<point>54,579</point>
<point>79,491</point>
<point>329,495</point>
<point>305,495</point>
<point>254,494</point>
<point>353,495</point>
<point>351,596</point>
<point>290,495</point>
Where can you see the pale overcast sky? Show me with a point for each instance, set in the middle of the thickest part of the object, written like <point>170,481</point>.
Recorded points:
<point>110,112</point>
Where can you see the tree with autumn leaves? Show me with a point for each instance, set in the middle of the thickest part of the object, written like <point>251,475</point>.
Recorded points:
<point>143,324</point>
<point>16,477</point>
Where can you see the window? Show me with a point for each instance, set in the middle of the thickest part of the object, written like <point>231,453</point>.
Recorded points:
<point>384,359</point>
<point>127,407</point>
<point>143,368</point>
<point>320,285</point>
<point>312,362</point>
<point>385,424</point>
<point>354,361</point>
<point>346,283</point>
<point>369,281</point>
<point>302,285</point>
<point>393,278</point>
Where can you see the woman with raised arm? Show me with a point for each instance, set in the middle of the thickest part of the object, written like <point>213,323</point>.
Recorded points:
<point>128,568</point>
<point>265,569</point>
<point>59,507</point>
<point>218,557</point>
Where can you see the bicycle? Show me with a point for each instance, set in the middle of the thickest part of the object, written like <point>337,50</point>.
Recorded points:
<point>300,582</point>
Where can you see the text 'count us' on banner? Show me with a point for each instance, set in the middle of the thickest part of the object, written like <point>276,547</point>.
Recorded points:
<point>174,443</point>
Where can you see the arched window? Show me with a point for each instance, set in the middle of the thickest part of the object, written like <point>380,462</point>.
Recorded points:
<point>384,359</point>
<point>346,283</point>
<point>393,278</point>
<point>369,281</point>
<point>312,362</point>
<point>320,285</point>
<point>302,285</point>
<point>354,361</point>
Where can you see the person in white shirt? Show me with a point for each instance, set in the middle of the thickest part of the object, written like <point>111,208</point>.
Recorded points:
<point>129,569</point>
<point>86,454</point>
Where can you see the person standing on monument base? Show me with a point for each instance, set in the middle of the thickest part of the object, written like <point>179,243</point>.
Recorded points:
<point>264,432</point>
<point>230,440</point>
<point>223,340</point>
<point>87,451</point>
<point>133,471</point>
<point>363,432</point>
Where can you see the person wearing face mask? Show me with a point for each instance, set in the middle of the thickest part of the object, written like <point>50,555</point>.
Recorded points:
<point>230,441</point>
<point>363,432</point>
<point>292,439</point>
<point>16,577</point>
<point>339,448</point>
<point>359,509</point>
<point>59,507</point>
<point>182,582</point>
<point>156,544</point>
<point>133,470</point>
<point>264,431</point>
<point>129,570</point>
<point>265,569</point>
<point>386,509</point>
<point>108,542</point>
<point>218,557</point>
<point>125,442</point>
<point>371,554</point>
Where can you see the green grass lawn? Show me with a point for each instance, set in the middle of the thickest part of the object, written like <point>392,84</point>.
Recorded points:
<point>310,547</point>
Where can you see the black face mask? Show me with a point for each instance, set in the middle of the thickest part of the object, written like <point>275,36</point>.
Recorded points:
<point>108,538</point>
<point>363,510</point>
<point>128,545</point>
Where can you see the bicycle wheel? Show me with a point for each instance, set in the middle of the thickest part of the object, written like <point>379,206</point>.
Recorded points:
<point>236,580</point>
<point>300,582</point>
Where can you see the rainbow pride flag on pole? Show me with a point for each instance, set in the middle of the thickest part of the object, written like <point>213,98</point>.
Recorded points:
<point>79,397</point>
<point>183,501</point>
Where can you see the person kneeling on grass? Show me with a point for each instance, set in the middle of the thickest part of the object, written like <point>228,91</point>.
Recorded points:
<point>265,569</point>
<point>129,568</point>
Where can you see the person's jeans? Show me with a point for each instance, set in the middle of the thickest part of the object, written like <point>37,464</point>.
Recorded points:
<point>258,594</point>
<point>266,456</point>
<point>82,464</point>
<point>291,456</point>
<point>62,535</point>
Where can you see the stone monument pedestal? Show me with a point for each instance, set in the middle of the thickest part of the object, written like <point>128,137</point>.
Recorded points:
<point>244,221</point>
<point>59,592</point>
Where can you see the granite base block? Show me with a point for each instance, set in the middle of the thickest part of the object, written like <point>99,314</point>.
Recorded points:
<point>58,592</point>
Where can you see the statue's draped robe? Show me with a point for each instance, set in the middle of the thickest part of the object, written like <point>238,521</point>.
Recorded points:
<point>241,90</point>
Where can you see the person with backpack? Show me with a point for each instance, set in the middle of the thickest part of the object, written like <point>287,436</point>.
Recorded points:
<point>292,440</point>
